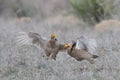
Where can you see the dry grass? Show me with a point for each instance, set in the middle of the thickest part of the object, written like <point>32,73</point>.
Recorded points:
<point>107,25</point>
<point>26,62</point>
<point>107,33</point>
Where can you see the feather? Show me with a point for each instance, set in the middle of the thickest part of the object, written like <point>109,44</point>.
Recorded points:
<point>87,44</point>
<point>30,38</point>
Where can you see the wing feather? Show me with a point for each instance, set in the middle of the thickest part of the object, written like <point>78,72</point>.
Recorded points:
<point>30,38</point>
<point>87,44</point>
<point>92,45</point>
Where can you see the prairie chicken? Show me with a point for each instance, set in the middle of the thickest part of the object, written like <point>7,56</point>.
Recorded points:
<point>51,47</point>
<point>79,53</point>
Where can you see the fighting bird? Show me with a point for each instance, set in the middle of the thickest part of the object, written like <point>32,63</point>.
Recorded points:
<point>50,46</point>
<point>80,52</point>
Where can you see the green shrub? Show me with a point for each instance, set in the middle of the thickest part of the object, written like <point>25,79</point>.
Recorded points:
<point>93,10</point>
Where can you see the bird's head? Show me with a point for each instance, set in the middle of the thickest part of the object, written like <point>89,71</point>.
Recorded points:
<point>67,45</point>
<point>53,36</point>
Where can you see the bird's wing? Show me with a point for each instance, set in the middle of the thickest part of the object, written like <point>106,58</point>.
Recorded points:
<point>92,45</point>
<point>87,44</point>
<point>81,43</point>
<point>30,38</point>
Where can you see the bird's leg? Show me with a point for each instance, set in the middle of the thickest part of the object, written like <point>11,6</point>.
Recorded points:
<point>47,58</point>
<point>91,60</point>
<point>53,55</point>
<point>47,55</point>
<point>88,57</point>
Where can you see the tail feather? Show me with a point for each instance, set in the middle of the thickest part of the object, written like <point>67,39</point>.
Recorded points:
<point>95,56</point>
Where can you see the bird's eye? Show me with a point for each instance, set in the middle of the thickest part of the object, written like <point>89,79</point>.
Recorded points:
<point>56,39</point>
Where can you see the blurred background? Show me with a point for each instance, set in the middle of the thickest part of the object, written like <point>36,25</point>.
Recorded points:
<point>68,19</point>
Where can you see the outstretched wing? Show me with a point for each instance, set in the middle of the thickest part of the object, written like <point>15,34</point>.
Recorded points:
<point>30,38</point>
<point>92,45</point>
<point>87,44</point>
<point>81,43</point>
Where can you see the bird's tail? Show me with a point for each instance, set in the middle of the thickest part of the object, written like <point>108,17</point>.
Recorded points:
<point>95,56</point>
